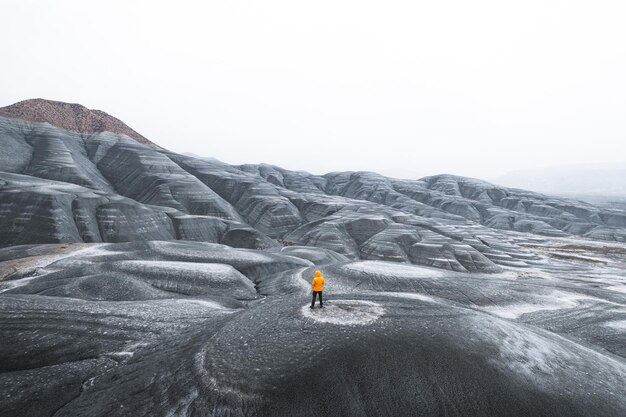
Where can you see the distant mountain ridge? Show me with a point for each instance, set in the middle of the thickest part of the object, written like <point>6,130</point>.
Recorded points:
<point>594,182</point>
<point>69,116</point>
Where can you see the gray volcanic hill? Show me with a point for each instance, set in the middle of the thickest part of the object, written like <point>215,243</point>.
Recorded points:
<point>135,281</point>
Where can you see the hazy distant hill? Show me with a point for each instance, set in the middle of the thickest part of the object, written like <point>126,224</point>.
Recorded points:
<point>598,183</point>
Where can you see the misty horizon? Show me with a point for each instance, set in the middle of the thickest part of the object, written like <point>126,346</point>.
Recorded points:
<point>408,90</point>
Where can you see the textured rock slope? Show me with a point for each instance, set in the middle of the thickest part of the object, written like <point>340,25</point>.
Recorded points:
<point>89,185</point>
<point>135,281</point>
<point>201,329</point>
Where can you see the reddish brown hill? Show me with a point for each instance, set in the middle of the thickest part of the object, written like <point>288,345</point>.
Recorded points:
<point>69,116</point>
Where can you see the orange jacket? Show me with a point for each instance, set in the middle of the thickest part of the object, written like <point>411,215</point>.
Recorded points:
<point>318,281</point>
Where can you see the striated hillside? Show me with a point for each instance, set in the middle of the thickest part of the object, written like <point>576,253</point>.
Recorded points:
<point>135,281</point>
<point>61,185</point>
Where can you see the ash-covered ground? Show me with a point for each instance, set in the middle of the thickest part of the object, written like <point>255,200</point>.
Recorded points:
<point>135,281</point>
<point>198,329</point>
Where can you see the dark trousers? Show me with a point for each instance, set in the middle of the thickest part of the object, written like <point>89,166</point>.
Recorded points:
<point>314,294</point>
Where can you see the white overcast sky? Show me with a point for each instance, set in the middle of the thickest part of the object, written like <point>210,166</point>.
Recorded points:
<point>404,88</point>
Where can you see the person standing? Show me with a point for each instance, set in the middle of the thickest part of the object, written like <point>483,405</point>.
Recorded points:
<point>318,285</point>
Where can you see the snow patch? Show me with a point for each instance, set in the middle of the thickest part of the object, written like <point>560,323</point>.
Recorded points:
<point>33,263</point>
<point>43,261</point>
<point>123,354</point>
<point>345,312</point>
<point>182,407</point>
<point>9,285</point>
<point>218,269</point>
<point>558,300</point>
<point>619,325</point>
<point>412,295</point>
<point>531,354</point>
<point>618,288</point>
<point>204,303</point>
<point>393,269</point>
<point>212,252</point>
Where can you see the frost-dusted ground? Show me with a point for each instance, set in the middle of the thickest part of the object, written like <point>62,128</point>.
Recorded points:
<point>446,295</point>
<point>199,329</point>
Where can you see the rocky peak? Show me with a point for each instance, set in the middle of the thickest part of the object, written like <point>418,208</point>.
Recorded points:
<point>69,116</point>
